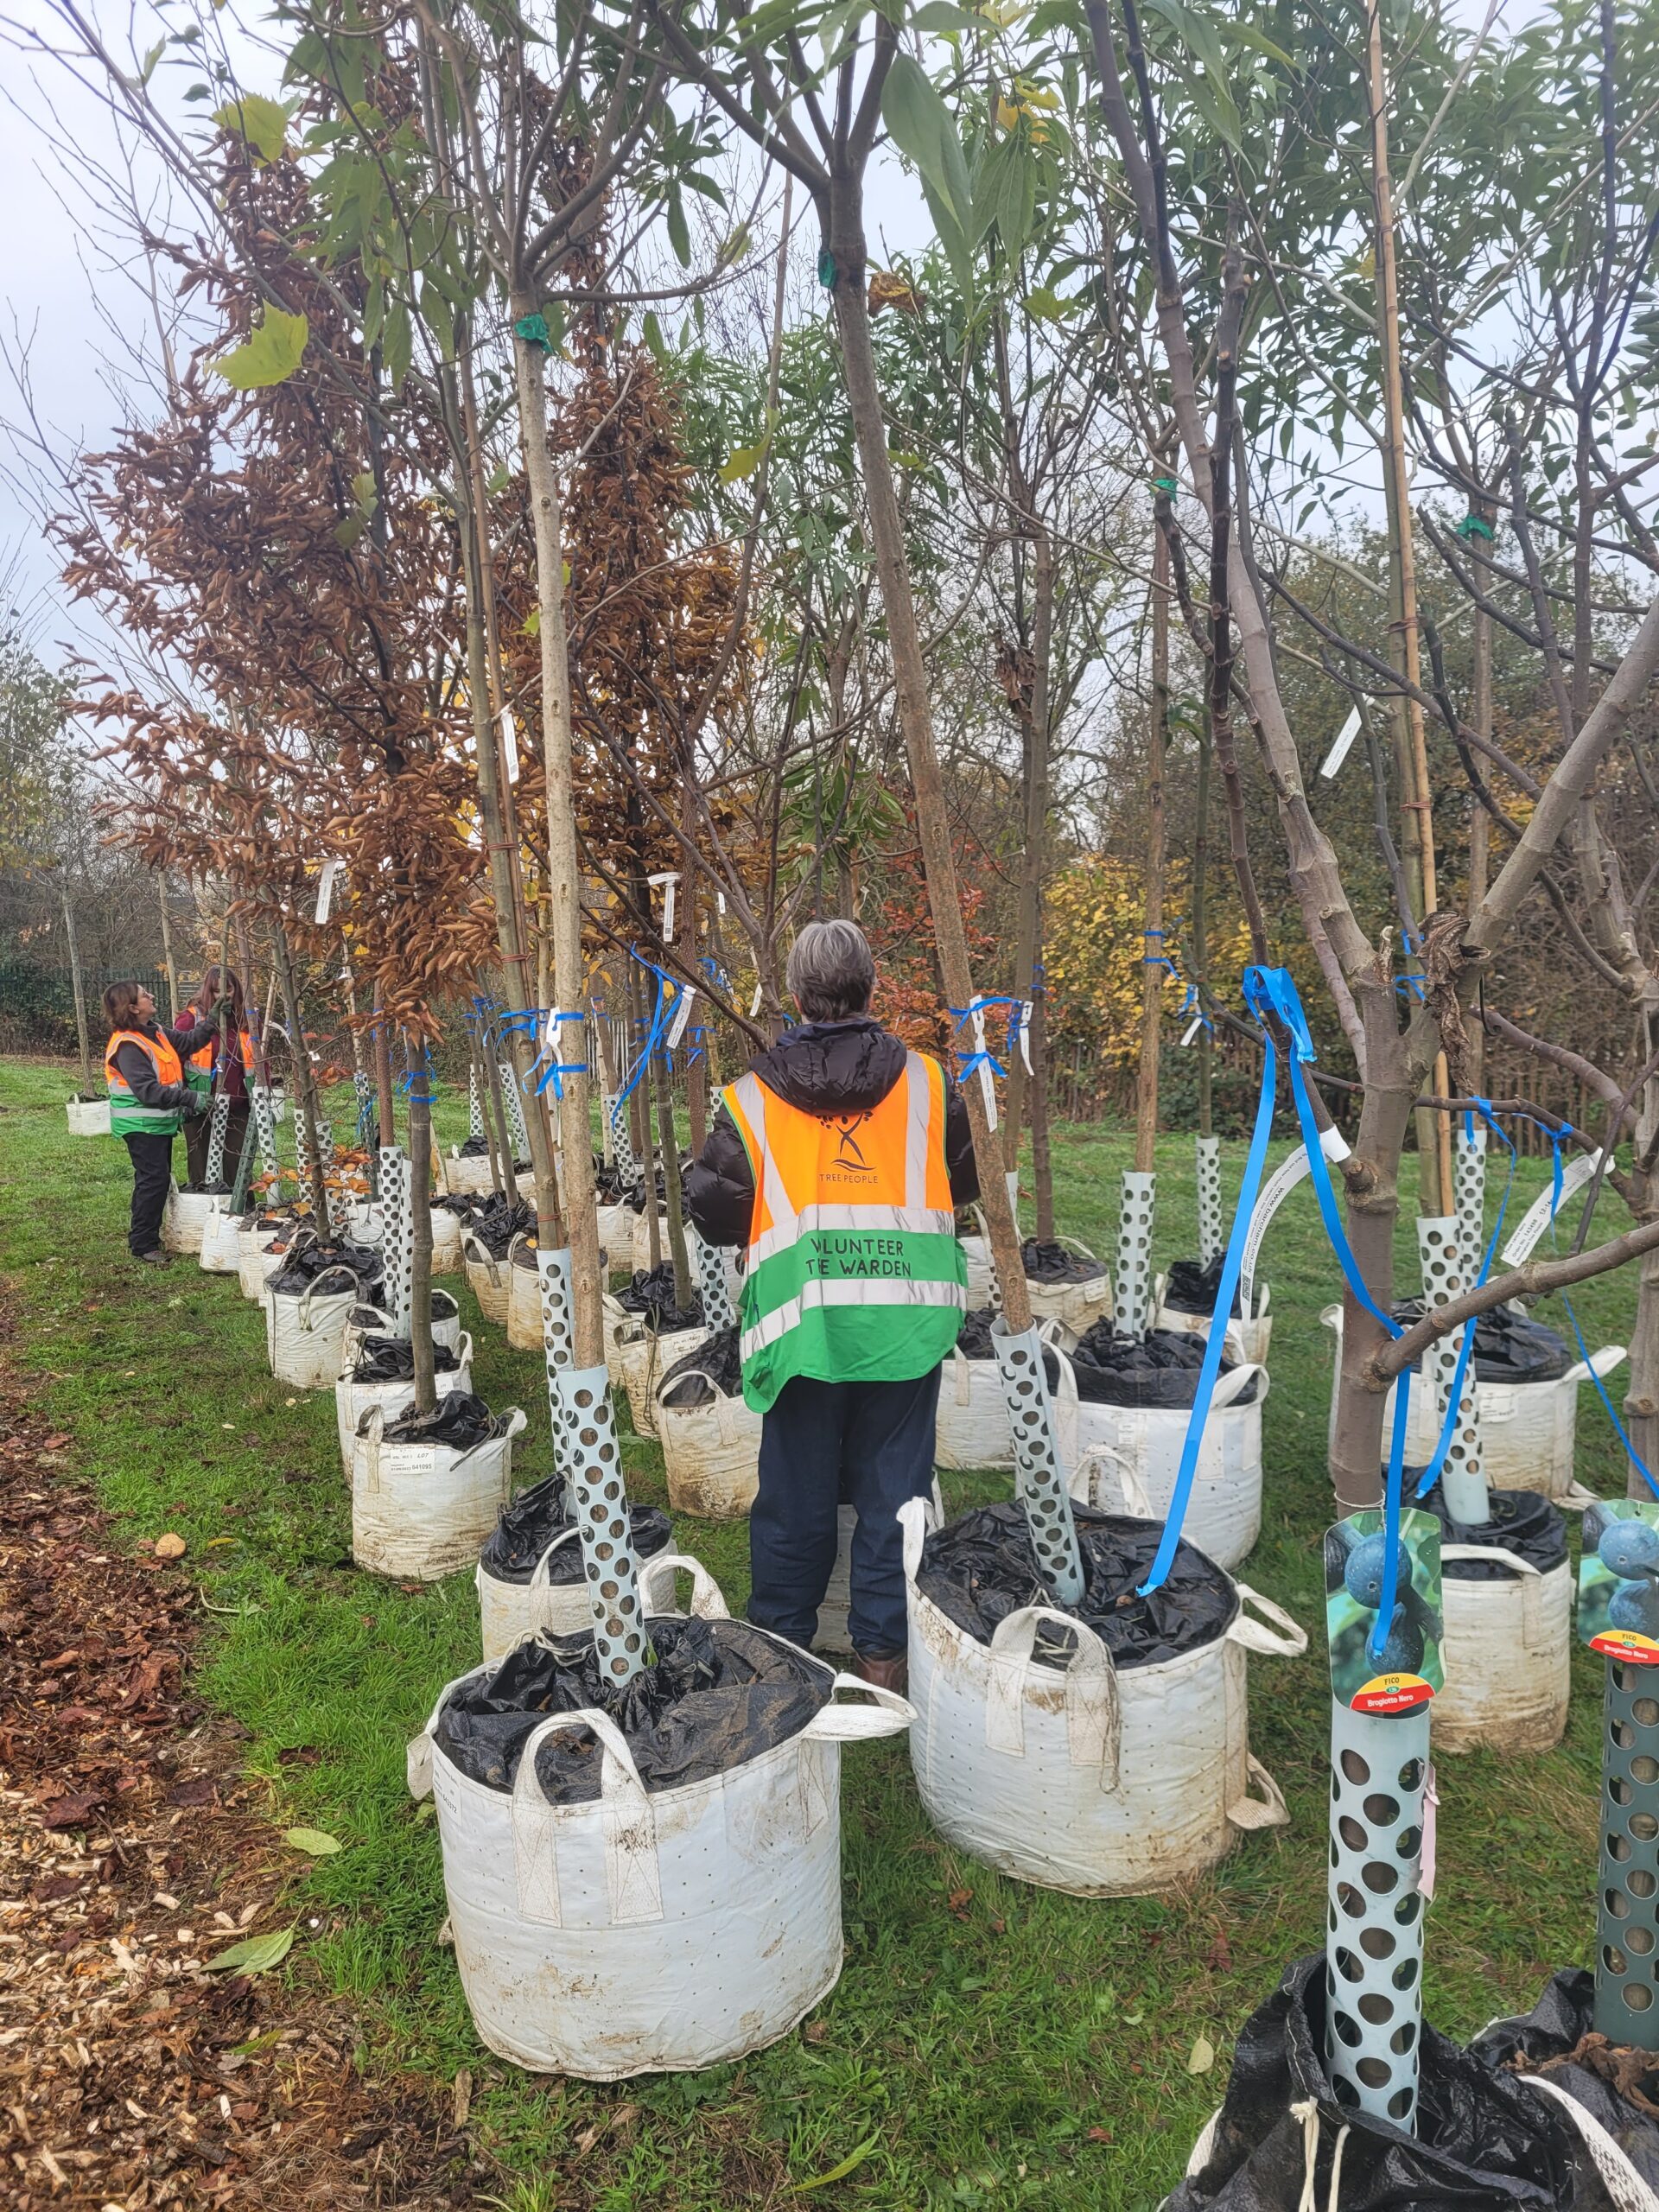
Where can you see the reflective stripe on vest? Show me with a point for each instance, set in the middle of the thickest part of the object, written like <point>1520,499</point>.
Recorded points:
<point>854,1271</point>
<point>199,1074</point>
<point>127,1117</point>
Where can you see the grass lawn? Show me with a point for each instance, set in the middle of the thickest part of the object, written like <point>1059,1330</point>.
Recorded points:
<point>988,2045</point>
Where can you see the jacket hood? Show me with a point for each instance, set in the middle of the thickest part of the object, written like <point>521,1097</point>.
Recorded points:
<point>833,1067</point>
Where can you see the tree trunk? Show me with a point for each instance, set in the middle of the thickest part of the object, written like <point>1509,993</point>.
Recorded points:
<point>846,245</point>
<point>564,873</point>
<point>385,1099</point>
<point>1042,1166</point>
<point>696,1073</point>
<point>167,952</point>
<point>78,985</point>
<point>1152,986</point>
<point>1373,1208</point>
<point>1642,1399</point>
<point>250,998</point>
<point>420,1207</point>
<point>683,1284</point>
<point>1201,926</point>
<point>305,1086</point>
<point>502,1126</point>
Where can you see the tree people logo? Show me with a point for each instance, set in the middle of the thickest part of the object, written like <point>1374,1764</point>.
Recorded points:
<point>849,1153</point>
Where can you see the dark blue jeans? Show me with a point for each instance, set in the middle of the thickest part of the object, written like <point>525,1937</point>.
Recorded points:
<point>866,1445</point>
<point>152,1175</point>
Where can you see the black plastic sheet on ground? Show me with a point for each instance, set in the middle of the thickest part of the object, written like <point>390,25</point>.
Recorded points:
<point>1520,1521</point>
<point>391,1359</point>
<point>306,1262</point>
<point>649,1292</point>
<point>1160,1370</point>
<point>1510,1345</point>
<point>979,1569</point>
<point>1192,1287</point>
<point>1052,1264</point>
<point>697,1378</point>
<point>719,1694</point>
<point>1484,2142</point>
<point>1555,2039</point>
<point>528,1525</point>
<point>461,1420</point>
<point>498,1220</point>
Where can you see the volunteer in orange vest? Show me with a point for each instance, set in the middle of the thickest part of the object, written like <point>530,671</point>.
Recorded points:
<point>144,1065</point>
<point>837,1162</point>
<point>203,1074</point>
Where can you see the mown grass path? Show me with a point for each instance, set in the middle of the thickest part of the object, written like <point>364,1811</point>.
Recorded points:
<point>988,2045</point>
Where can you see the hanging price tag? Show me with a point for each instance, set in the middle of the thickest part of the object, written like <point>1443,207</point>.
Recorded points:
<point>509,744</point>
<point>682,1014</point>
<point>1376,1667</point>
<point>1192,1029</point>
<point>668,880</point>
<point>754,1003</point>
<point>988,1088</point>
<point>1341,746</point>
<point>1618,1579</point>
<point>326,883</point>
<point>1026,1007</point>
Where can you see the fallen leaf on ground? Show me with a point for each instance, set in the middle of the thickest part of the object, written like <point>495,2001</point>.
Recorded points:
<point>463,2094</point>
<point>1203,2057</point>
<point>256,1955</point>
<point>315,1843</point>
<point>69,1811</point>
<point>853,2158</point>
<point>170,1545</point>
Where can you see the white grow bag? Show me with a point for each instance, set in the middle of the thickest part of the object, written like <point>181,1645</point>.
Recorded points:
<point>220,1252</point>
<point>446,1241</point>
<point>255,1259</point>
<point>1528,1430</point>
<point>973,1429</point>
<point>711,1453</point>
<point>1096,1781</point>
<point>1247,1338</point>
<point>639,1239</point>
<point>511,1613</point>
<point>651,1931</point>
<point>524,1331</point>
<point>834,1634</point>
<point>353,1400</point>
<point>976,1253</point>
<point>642,1357</point>
<point>1076,1306</point>
<point>420,1510</point>
<point>88,1117</point>
<point>305,1333</point>
<point>184,1219</point>
<point>1508,1652</point>
<point>486,1278</point>
<point>469,1177</point>
<point>616,1234</point>
<point>1223,1512</point>
<point>365,1321</point>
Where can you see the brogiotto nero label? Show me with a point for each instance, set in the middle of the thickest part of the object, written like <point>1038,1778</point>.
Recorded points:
<point>1379,1666</point>
<point>1618,1579</point>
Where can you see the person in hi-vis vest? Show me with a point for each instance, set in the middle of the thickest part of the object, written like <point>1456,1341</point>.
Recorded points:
<point>838,1161</point>
<point>144,1065</point>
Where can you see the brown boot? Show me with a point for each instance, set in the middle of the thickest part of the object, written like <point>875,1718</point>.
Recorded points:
<point>891,1673</point>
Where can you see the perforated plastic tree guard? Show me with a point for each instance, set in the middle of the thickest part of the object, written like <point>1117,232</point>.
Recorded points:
<point>264,1122</point>
<point>1209,1228</point>
<point>558,1339</point>
<point>1462,1481</point>
<point>1134,1281</point>
<point>594,1478</point>
<point>1627,1900</point>
<point>475,1107</point>
<point>717,1308</point>
<point>218,1123</point>
<point>398,1247</point>
<point>1374,1942</point>
<point>1469,1183</point>
<point>622,1141</point>
<point>515,1106</point>
<point>1037,1462</point>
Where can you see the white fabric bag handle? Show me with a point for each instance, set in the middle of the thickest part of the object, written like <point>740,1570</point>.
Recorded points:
<point>1270,1810</point>
<point>888,1714</point>
<point>1254,1636</point>
<point>1237,1379</point>
<point>632,1879</point>
<point>369,1423</point>
<point>312,1288</point>
<point>1093,1721</point>
<point>708,1600</point>
<point>464,1350</point>
<point>1625,2186</point>
<point>1600,1362</point>
<point>417,1761</point>
<point>475,1250</point>
<point>916,1518</point>
<point>541,1581</point>
<point>1099,1462</point>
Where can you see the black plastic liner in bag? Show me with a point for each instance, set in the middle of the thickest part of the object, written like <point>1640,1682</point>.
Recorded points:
<point>610,1186</point>
<point>498,1220</point>
<point>713,1369</point>
<point>1484,2142</point>
<point>461,1420</point>
<point>979,1569</point>
<point>1556,2039</point>
<point>634,1196</point>
<point>649,1292</point>
<point>1520,1520</point>
<point>1160,1370</point>
<point>466,1203</point>
<point>974,1342</point>
<point>1192,1287</point>
<point>719,1695</point>
<point>306,1262</point>
<point>370,1319</point>
<point>474,1148</point>
<point>529,1523</point>
<point>1052,1264</point>
<point>1510,1345</point>
<point>391,1359</point>
<point>220,1189</point>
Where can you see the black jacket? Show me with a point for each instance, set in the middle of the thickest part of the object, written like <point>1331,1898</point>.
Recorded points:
<point>137,1070</point>
<point>823,1068</point>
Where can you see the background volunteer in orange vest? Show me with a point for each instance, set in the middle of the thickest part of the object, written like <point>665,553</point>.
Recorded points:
<point>144,1065</point>
<point>210,1081</point>
<point>837,1162</point>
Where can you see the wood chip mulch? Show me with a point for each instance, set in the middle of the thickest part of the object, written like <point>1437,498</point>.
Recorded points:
<point>134,1849</point>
